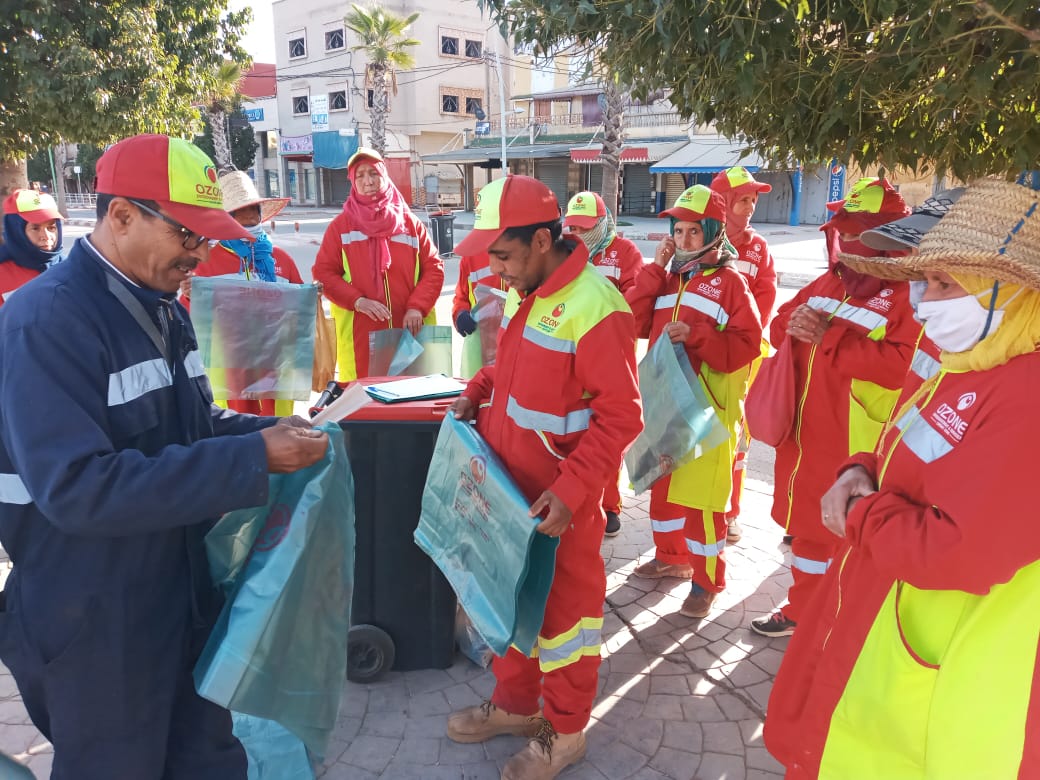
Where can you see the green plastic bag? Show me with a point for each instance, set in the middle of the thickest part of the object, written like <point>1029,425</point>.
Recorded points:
<point>279,649</point>
<point>474,526</point>
<point>680,422</point>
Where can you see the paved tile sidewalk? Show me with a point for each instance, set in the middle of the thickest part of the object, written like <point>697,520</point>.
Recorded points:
<point>679,698</point>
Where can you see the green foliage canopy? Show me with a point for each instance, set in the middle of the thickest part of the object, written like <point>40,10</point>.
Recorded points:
<point>948,86</point>
<point>242,137</point>
<point>100,70</point>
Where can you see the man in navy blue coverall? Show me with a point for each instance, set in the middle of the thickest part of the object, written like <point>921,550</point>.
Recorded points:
<point>113,465</point>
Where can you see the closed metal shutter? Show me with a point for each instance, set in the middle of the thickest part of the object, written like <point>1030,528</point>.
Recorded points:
<point>674,186</point>
<point>636,198</point>
<point>596,178</point>
<point>340,187</point>
<point>553,174</point>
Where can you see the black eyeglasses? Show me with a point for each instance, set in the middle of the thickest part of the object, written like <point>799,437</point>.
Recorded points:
<point>189,239</point>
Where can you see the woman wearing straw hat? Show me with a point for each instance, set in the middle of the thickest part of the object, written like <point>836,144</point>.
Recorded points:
<point>919,657</point>
<point>258,259</point>
<point>378,264</point>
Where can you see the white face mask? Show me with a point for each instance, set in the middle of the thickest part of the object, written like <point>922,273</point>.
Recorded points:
<point>958,324</point>
<point>256,231</point>
<point>917,290</point>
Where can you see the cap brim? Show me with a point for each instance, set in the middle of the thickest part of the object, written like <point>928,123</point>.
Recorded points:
<point>478,241</point>
<point>212,223</point>
<point>835,205</point>
<point>40,215</point>
<point>683,215</point>
<point>902,233</point>
<point>581,221</point>
<point>272,207</point>
<point>892,268</point>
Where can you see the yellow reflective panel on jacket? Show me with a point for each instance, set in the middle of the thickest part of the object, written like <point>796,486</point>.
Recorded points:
<point>870,406</point>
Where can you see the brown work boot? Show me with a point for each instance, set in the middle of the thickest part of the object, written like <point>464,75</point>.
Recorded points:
<point>655,570</point>
<point>484,721</point>
<point>698,603</point>
<point>545,755</point>
<point>733,531</point>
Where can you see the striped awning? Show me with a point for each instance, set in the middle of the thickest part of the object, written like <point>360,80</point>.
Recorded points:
<point>646,153</point>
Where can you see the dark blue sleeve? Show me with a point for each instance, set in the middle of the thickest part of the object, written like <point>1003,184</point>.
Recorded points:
<point>230,423</point>
<point>55,427</point>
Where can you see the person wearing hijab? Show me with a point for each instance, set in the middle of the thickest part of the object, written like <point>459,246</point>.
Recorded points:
<point>851,338</point>
<point>620,261</point>
<point>377,263</point>
<point>740,191</point>
<point>919,657</point>
<point>256,258</point>
<point>32,238</point>
<point>693,295</point>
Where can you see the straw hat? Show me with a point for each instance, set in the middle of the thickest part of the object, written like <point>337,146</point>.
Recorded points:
<point>992,231</point>
<point>239,192</point>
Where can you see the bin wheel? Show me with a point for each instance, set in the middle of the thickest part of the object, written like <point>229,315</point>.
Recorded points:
<point>370,653</point>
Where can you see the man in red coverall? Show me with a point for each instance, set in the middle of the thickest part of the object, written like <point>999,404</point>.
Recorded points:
<point>559,406</point>
<point>740,191</point>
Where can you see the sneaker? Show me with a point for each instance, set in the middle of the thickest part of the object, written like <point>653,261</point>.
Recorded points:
<point>787,539</point>
<point>484,721</point>
<point>545,755</point>
<point>613,525</point>
<point>774,624</point>
<point>698,603</point>
<point>733,531</point>
<point>655,570</point>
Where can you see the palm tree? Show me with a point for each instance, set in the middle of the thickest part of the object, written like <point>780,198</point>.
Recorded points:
<point>384,41</point>
<point>222,98</point>
<point>613,137</point>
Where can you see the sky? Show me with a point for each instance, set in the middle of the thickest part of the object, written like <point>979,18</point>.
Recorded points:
<point>259,37</point>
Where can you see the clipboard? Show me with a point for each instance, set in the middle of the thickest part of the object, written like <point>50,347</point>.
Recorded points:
<point>416,388</point>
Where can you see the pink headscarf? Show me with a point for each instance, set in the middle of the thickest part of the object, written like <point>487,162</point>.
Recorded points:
<point>378,216</point>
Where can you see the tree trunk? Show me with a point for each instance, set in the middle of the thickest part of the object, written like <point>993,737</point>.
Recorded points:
<point>380,107</point>
<point>60,157</point>
<point>221,146</point>
<point>13,176</point>
<point>613,135</point>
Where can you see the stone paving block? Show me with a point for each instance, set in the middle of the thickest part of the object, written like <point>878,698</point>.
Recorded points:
<point>644,735</point>
<point>484,685</point>
<point>342,771</point>
<point>485,770</point>
<point>701,709</point>
<point>616,710</point>
<point>768,660</point>
<point>633,687</point>
<point>453,753</point>
<point>434,703</point>
<point>369,753</point>
<point>41,764</point>
<point>390,695</point>
<point>669,684</point>
<point>629,662</point>
<point>718,766</point>
<point>723,737</point>
<point>12,712</point>
<point>677,764</point>
<point>354,701</point>
<point>751,731</point>
<point>760,758</point>
<point>664,706</point>
<point>682,735</point>
<point>427,680</point>
<point>760,693</point>
<point>16,738</point>
<point>624,595</point>
<point>648,773</point>
<point>460,696</point>
<point>419,751</point>
<point>432,726</point>
<point>761,774</point>
<point>743,674</point>
<point>734,708</point>
<point>347,728</point>
<point>700,684</point>
<point>384,724</point>
<point>616,760</point>
<point>8,687</point>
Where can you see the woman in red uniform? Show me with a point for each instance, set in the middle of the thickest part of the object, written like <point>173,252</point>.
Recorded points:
<point>32,238</point>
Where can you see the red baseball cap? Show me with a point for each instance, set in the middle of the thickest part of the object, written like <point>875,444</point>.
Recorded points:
<point>514,201</point>
<point>871,202</point>
<point>175,174</point>
<point>584,210</point>
<point>32,206</point>
<point>738,179</point>
<point>696,203</point>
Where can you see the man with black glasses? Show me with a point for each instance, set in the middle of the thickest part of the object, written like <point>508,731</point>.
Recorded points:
<point>113,464</point>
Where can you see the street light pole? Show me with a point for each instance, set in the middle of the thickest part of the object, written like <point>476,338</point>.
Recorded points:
<point>501,102</point>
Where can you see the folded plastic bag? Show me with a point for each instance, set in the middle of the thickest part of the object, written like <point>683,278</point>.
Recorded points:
<point>272,751</point>
<point>474,525</point>
<point>395,352</point>
<point>680,422</point>
<point>479,348</point>
<point>256,339</point>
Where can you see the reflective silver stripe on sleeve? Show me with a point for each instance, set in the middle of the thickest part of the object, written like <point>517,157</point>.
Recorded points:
<point>404,238</point>
<point>810,566</point>
<point>666,301</point>
<point>530,420</point>
<point>476,276</point>
<point>193,363</point>
<point>352,237</point>
<point>13,490</point>
<point>820,303</point>
<point>136,380</point>
<point>549,342</point>
<point>609,271</point>
<point>505,322</point>
<point>707,550</point>
<point>747,268</point>
<point>860,316</point>
<point>924,365</point>
<point>921,438</point>
<point>695,302</point>
<point>667,526</point>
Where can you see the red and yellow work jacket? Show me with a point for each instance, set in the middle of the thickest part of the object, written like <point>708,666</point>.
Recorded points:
<point>845,389</point>
<point>561,404</point>
<point>918,658</point>
<point>725,334</point>
<point>757,266</point>
<point>473,270</point>
<point>413,281</point>
<point>620,262</point>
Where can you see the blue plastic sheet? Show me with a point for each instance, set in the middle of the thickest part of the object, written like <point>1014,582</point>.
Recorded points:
<point>273,752</point>
<point>474,525</point>
<point>680,422</point>
<point>395,352</point>
<point>256,339</point>
<point>279,649</point>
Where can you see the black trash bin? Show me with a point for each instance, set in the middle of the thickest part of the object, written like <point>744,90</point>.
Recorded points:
<point>403,612</point>
<point>443,228</point>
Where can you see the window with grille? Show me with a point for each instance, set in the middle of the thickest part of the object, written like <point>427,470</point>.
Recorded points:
<point>297,48</point>
<point>301,104</point>
<point>473,49</point>
<point>333,40</point>
<point>449,104</point>
<point>473,105</point>
<point>338,100</point>
<point>449,45</point>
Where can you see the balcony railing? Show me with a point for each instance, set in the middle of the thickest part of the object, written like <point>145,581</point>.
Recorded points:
<point>571,122</point>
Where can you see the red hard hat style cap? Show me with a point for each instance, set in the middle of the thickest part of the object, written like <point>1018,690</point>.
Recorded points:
<point>514,201</point>
<point>32,206</point>
<point>871,202</point>
<point>175,174</point>
<point>737,181</point>
<point>585,210</point>
<point>696,203</point>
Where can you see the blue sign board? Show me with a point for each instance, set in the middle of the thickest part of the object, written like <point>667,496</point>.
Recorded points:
<point>483,128</point>
<point>836,185</point>
<point>255,114</point>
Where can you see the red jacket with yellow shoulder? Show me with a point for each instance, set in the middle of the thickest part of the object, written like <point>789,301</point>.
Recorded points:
<point>620,262</point>
<point>561,404</point>
<point>920,650</point>
<point>343,266</point>
<point>845,390</point>
<point>473,270</point>
<point>756,263</point>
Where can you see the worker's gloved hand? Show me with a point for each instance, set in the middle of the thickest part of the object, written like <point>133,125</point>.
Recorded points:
<point>464,323</point>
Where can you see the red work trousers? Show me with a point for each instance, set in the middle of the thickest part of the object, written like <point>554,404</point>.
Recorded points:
<point>685,535</point>
<point>612,495</point>
<point>810,562</point>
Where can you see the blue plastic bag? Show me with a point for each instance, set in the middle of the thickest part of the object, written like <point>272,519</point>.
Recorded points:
<point>474,525</point>
<point>680,422</point>
<point>256,339</point>
<point>272,751</point>
<point>279,649</point>
<point>395,352</point>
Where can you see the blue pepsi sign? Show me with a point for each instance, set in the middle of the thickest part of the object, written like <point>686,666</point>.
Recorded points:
<point>836,184</point>
<point>255,114</point>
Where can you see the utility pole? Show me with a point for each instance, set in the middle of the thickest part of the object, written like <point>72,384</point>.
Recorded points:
<point>501,101</point>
